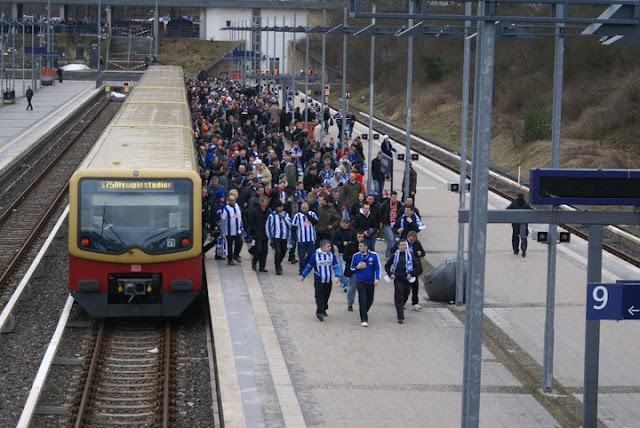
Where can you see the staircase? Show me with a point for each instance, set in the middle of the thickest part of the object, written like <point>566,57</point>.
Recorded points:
<point>128,53</point>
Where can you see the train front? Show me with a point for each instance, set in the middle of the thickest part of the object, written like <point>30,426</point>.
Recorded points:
<point>135,242</point>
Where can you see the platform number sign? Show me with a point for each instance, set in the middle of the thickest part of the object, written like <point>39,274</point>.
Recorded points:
<point>613,301</point>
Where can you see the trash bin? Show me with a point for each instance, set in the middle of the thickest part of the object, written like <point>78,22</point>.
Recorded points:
<point>440,283</point>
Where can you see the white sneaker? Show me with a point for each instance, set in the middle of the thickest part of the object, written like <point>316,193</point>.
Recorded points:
<point>417,307</point>
<point>364,324</point>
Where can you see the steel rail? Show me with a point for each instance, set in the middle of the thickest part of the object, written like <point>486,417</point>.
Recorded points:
<point>90,377</point>
<point>167,374</point>
<point>52,208</point>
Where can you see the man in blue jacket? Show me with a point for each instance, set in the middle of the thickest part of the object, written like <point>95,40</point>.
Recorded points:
<point>322,262</point>
<point>366,267</point>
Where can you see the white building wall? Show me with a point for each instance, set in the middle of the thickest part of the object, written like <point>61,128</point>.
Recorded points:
<point>216,19</point>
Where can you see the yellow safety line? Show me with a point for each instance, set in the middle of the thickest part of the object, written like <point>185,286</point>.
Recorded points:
<point>151,126</point>
<point>156,102</point>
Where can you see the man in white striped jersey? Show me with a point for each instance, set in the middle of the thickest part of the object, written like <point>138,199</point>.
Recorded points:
<point>322,262</point>
<point>304,223</point>
<point>278,229</point>
<point>231,222</point>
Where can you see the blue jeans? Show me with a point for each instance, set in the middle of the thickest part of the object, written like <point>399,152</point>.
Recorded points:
<point>371,240</point>
<point>305,251</point>
<point>343,279</point>
<point>351,290</point>
<point>391,239</point>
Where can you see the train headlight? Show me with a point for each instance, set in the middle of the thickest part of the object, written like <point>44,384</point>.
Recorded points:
<point>149,289</point>
<point>185,242</point>
<point>120,288</point>
<point>84,242</point>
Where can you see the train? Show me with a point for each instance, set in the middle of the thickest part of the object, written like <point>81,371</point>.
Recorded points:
<point>135,226</point>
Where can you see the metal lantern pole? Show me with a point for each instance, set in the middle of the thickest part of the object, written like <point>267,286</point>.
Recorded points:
<point>405,190</point>
<point>322,95</point>
<point>99,30</point>
<point>156,27</point>
<point>371,83</point>
<point>464,129</point>
<point>306,77</point>
<point>294,68</point>
<point>344,81</point>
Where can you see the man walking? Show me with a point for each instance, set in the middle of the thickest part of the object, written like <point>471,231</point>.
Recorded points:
<point>390,211</point>
<point>322,262</point>
<point>519,231</point>
<point>29,95</point>
<point>366,267</point>
<point>278,228</point>
<point>258,219</point>
<point>399,267</point>
<point>328,219</point>
<point>304,224</point>
<point>231,220</point>
<point>368,222</point>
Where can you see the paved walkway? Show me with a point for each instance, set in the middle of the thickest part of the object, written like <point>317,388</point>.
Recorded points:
<point>20,129</point>
<point>391,375</point>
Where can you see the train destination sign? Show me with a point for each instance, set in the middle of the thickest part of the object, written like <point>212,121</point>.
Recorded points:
<point>556,186</point>
<point>125,185</point>
<point>620,301</point>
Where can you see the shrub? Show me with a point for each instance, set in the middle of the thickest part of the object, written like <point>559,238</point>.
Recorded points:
<point>433,67</point>
<point>537,120</point>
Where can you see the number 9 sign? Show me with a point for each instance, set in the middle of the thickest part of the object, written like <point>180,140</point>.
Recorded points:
<point>604,301</point>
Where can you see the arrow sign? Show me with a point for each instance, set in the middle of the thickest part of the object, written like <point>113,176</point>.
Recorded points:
<point>631,301</point>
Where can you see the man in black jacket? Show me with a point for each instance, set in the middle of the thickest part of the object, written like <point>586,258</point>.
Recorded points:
<point>415,247</point>
<point>399,268</point>
<point>519,231</point>
<point>377,175</point>
<point>390,210</point>
<point>342,237</point>
<point>257,221</point>
<point>367,221</point>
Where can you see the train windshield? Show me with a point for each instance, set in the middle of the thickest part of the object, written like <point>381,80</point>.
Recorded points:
<point>154,215</point>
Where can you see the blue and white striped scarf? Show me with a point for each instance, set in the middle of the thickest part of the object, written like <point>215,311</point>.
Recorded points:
<point>409,261</point>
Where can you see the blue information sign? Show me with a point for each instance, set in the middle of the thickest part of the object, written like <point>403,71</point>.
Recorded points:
<point>613,301</point>
<point>386,165</point>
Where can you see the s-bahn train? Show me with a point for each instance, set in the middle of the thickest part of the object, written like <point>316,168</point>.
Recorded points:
<point>135,226</point>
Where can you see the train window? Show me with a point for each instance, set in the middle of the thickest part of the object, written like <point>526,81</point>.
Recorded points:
<point>152,215</point>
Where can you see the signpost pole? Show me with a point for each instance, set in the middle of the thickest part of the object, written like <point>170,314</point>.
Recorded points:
<point>343,113</point>
<point>592,335</point>
<point>549,331</point>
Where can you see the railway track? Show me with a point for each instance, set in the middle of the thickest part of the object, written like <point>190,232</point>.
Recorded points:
<point>31,201</point>
<point>624,245</point>
<point>127,381</point>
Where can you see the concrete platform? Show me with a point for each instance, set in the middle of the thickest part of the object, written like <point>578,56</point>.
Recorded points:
<point>20,129</point>
<point>282,367</point>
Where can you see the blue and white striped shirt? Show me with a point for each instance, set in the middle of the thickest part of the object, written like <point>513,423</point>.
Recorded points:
<point>306,231</point>
<point>278,227</point>
<point>231,219</point>
<point>322,263</point>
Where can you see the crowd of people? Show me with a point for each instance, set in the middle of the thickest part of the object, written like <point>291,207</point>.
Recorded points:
<point>270,184</point>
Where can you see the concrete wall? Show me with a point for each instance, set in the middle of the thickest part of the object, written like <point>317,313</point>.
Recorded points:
<point>216,19</point>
